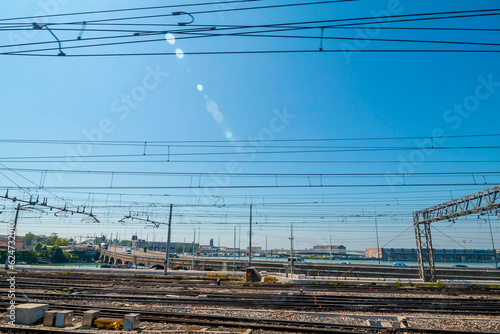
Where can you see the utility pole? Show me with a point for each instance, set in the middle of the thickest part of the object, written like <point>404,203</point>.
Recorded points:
<point>234,253</point>
<point>134,245</point>
<point>218,249</point>
<point>291,249</point>
<point>379,252</point>
<point>330,248</point>
<point>250,240</point>
<point>239,241</point>
<point>167,254</point>
<point>266,247</point>
<point>194,239</point>
<point>493,243</point>
<point>13,234</point>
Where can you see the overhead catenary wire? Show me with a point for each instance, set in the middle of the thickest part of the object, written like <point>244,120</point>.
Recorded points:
<point>130,9</point>
<point>255,186</point>
<point>205,53</point>
<point>26,52</point>
<point>263,161</point>
<point>368,19</point>
<point>199,12</point>
<point>205,141</point>
<point>245,174</point>
<point>340,150</point>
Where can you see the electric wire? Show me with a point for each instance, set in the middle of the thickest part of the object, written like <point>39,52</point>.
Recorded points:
<point>245,174</point>
<point>280,51</point>
<point>172,142</point>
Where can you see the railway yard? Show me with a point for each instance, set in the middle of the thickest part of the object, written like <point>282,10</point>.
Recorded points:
<point>216,303</point>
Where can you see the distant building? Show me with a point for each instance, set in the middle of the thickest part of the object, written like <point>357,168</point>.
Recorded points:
<point>374,253</point>
<point>162,245</point>
<point>20,243</point>
<point>440,255</point>
<point>337,249</point>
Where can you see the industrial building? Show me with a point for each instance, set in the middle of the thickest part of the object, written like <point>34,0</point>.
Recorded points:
<point>440,255</point>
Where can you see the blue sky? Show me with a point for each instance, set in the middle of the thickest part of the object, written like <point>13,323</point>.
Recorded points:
<point>280,96</point>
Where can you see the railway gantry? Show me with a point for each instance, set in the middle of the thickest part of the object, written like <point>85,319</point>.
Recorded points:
<point>479,202</point>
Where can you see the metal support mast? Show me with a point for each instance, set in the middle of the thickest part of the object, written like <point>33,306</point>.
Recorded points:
<point>291,249</point>
<point>250,240</point>
<point>481,201</point>
<point>167,253</point>
<point>12,234</point>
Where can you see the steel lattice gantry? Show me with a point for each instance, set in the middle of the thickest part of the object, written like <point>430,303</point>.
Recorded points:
<point>481,201</point>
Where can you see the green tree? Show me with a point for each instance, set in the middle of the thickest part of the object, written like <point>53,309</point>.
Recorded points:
<point>189,249</point>
<point>52,239</point>
<point>179,248</point>
<point>61,242</point>
<point>30,239</point>
<point>58,255</point>
<point>38,246</point>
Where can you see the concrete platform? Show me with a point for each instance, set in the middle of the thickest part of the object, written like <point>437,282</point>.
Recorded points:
<point>89,317</point>
<point>49,318</point>
<point>131,321</point>
<point>27,314</point>
<point>64,318</point>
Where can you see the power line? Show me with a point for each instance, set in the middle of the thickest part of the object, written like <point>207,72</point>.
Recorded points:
<point>201,53</point>
<point>248,34</point>
<point>352,149</point>
<point>295,28</point>
<point>369,19</point>
<point>199,12</point>
<point>243,174</point>
<point>171,142</point>
<point>264,161</point>
<point>253,186</point>
<point>129,9</point>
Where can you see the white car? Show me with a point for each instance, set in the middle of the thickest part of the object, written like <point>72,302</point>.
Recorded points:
<point>296,260</point>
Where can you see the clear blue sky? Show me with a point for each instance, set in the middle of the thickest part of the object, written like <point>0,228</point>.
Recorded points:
<point>279,96</point>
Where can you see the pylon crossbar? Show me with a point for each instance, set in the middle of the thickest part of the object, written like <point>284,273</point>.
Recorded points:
<point>481,201</point>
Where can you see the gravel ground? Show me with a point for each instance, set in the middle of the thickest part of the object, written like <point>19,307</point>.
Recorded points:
<point>416,320</point>
<point>420,320</point>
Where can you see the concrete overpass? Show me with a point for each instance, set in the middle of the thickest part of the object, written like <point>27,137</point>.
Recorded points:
<point>141,259</point>
<point>157,260</point>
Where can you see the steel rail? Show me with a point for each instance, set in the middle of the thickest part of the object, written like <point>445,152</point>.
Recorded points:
<point>373,304</point>
<point>262,324</point>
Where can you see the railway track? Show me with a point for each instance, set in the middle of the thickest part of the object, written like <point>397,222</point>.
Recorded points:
<point>71,280</point>
<point>59,290</point>
<point>292,302</point>
<point>190,290</point>
<point>239,322</point>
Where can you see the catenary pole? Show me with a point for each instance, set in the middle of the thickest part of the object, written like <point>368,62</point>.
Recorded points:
<point>167,253</point>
